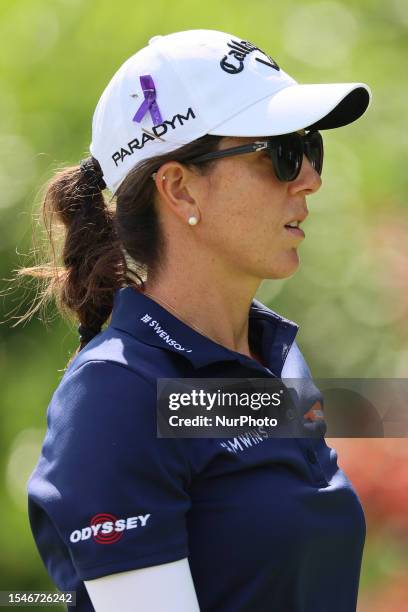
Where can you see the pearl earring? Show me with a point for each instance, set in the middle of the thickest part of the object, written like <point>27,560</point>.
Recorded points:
<point>192,220</point>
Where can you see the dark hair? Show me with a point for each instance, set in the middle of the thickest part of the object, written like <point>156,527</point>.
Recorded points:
<point>102,248</point>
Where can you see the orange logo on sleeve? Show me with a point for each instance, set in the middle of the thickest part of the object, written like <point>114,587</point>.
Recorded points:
<point>315,413</point>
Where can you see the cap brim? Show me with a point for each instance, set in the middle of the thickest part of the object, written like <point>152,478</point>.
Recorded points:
<point>312,106</point>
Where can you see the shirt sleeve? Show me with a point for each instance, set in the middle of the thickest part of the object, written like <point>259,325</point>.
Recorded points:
<point>107,495</point>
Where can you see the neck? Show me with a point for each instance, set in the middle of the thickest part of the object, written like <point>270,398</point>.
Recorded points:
<point>217,307</point>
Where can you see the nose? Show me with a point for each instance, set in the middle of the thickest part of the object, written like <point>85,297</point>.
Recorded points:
<point>308,180</point>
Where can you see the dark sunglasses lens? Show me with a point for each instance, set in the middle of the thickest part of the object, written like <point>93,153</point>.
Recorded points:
<point>314,150</point>
<point>287,157</point>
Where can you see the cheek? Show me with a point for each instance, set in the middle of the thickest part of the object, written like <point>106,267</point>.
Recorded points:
<point>246,207</point>
<point>244,215</point>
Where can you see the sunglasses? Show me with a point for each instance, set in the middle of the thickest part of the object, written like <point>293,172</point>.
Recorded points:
<point>285,151</point>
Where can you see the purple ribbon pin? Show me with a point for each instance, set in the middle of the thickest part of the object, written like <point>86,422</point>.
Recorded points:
<point>149,103</point>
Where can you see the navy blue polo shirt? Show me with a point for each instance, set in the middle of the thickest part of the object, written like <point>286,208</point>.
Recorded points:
<point>268,524</point>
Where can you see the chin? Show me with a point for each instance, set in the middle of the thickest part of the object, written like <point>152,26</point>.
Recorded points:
<point>285,267</point>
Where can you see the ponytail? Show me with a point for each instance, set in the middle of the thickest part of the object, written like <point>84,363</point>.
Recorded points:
<point>82,277</point>
<point>94,263</point>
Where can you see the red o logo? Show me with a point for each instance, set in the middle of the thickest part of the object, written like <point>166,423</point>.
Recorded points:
<point>106,538</point>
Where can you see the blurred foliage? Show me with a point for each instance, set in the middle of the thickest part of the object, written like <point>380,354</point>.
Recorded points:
<point>349,295</point>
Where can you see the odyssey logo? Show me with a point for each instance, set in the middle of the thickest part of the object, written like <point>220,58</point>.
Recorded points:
<point>106,528</point>
<point>239,52</point>
<point>158,131</point>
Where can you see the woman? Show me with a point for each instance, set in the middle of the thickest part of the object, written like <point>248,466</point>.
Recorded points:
<point>210,150</point>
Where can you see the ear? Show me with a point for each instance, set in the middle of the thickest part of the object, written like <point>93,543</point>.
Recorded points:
<point>179,189</point>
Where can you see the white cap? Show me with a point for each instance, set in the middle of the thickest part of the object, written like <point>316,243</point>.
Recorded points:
<point>188,84</point>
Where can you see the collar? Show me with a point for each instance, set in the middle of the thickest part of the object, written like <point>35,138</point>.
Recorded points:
<point>150,323</point>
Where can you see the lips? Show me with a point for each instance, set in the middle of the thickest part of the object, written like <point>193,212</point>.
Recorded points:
<point>296,231</point>
<point>297,219</point>
<point>293,224</point>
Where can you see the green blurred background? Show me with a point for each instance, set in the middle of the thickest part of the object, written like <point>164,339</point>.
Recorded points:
<point>349,295</point>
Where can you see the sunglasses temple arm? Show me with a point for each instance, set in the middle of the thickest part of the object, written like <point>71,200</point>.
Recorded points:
<point>256,146</point>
